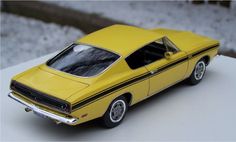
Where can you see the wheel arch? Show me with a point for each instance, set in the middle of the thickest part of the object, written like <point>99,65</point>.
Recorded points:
<point>206,59</point>
<point>128,97</point>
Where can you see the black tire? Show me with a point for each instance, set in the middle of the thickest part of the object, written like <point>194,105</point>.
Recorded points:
<point>116,106</point>
<point>194,78</point>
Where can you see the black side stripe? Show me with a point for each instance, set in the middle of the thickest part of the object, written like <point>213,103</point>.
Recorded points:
<point>172,64</point>
<point>114,86</point>
<point>134,80</point>
<point>121,85</point>
<point>204,50</point>
<point>109,90</point>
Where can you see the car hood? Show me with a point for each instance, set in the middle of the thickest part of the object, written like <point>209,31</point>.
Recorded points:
<point>50,83</point>
<point>185,40</point>
<point>188,41</point>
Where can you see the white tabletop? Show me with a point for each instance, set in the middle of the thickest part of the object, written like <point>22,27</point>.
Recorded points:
<point>206,111</point>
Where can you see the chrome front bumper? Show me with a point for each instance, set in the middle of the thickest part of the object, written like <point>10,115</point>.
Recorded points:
<point>43,113</point>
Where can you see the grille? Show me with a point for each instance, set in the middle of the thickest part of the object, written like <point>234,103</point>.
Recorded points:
<point>40,97</point>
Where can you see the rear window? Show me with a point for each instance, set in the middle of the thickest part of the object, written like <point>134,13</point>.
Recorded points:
<point>83,60</point>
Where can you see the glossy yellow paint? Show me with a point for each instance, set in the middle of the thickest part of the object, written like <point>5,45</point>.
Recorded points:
<point>120,39</point>
<point>123,40</point>
<point>169,76</point>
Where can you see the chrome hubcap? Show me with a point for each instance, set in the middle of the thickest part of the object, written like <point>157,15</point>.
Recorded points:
<point>199,70</point>
<point>117,111</point>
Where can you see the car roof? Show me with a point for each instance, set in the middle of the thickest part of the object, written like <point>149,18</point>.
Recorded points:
<point>120,39</point>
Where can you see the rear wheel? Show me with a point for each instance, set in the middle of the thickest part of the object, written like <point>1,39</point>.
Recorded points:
<point>115,113</point>
<point>198,72</point>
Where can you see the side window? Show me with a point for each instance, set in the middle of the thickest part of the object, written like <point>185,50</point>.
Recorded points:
<point>146,55</point>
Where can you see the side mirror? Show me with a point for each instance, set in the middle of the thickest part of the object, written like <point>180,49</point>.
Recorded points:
<point>168,55</point>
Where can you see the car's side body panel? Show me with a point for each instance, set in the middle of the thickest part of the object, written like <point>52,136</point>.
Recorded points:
<point>211,53</point>
<point>138,91</point>
<point>167,71</point>
<point>98,107</point>
<point>196,46</point>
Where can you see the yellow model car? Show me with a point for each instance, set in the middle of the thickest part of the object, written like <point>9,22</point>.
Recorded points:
<point>105,72</point>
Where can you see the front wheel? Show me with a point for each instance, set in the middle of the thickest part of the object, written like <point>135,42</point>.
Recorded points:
<point>115,113</point>
<point>198,72</point>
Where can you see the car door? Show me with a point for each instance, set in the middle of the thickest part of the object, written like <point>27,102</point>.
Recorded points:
<point>166,72</point>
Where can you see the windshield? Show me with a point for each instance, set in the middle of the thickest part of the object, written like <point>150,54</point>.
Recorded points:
<point>82,60</point>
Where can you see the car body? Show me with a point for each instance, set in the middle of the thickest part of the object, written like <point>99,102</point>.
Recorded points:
<point>120,60</point>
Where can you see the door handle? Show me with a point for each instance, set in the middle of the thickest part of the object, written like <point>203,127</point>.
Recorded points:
<point>154,71</point>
